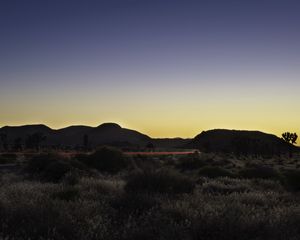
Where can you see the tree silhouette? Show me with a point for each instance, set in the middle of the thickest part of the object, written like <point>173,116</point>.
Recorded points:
<point>290,137</point>
<point>294,138</point>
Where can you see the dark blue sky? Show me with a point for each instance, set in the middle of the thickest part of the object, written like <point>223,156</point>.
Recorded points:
<point>114,32</point>
<point>170,57</point>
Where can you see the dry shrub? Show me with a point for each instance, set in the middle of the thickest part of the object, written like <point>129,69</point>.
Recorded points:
<point>169,182</point>
<point>106,159</point>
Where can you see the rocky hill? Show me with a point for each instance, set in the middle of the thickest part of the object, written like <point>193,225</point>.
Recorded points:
<point>107,133</point>
<point>240,142</point>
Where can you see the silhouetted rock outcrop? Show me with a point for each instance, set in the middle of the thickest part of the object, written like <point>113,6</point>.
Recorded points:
<point>240,142</point>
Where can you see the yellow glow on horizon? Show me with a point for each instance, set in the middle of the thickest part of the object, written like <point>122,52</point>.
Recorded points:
<point>171,130</point>
<point>157,110</point>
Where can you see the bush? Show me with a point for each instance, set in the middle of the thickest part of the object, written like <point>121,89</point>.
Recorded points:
<point>55,171</point>
<point>33,216</point>
<point>40,162</point>
<point>145,163</point>
<point>67,193</point>
<point>260,172</point>
<point>106,159</point>
<point>51,167</point>
<point>190,162</point>
<point>133,203</point>
<point>71,178</point>
<point>35,210</point>
<point>213,172</point>
<point>221,186</point>
<point>159,182</point>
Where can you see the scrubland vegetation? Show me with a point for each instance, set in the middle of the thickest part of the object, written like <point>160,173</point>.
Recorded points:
<point>106,195</point>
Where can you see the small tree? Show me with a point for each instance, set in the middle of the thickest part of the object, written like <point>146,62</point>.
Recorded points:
<point>290,137</point>
<point>294,138</point>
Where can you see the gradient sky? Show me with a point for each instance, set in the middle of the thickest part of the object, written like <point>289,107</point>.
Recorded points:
<point>164,67</point>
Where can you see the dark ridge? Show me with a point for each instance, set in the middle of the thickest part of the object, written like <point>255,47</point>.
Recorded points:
<point>73,136</point>
<point>240,142</point>
<point>70,128</point>
<point>28,127</point>
<point>218,140</point>
<point>109,126</point>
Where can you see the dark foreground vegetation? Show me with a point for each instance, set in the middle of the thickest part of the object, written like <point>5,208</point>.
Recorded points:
<point>106,195</point>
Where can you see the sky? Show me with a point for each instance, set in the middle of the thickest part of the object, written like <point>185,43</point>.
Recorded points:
<point>167,68</point>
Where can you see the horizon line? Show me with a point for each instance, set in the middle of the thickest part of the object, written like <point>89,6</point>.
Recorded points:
<point>124,127</point>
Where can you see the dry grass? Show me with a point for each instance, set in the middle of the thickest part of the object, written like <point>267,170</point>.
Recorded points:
<point>104,207</point>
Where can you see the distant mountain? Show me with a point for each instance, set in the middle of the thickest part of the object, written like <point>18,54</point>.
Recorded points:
<point>23,131</point>
<point>219,140</point>
<point>240,142</point>
<point>105,134</point>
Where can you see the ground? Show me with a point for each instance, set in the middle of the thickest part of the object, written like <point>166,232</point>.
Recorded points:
<point>192,196</point>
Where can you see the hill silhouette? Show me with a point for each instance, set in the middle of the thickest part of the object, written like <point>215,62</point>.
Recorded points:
<point>107,133</point>
<point>240,142</point>
<point>218,140</point>
<point>73,136</point>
